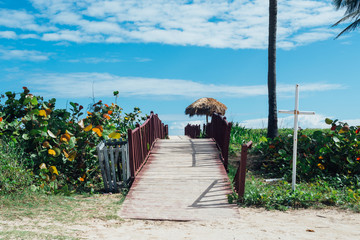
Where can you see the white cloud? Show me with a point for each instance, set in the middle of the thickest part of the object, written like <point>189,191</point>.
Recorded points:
<point>7,34</point>
<point>352,122</point>
<point>218,24</point>
<point>305,121</point>
<point>21,20</point>
<point>95,60</point>
<point>27,36</point>
<point>140,59</point>
<point>25,55</point>
<point>182,125</point>
<point>81,86</point>
<point>178,127</point>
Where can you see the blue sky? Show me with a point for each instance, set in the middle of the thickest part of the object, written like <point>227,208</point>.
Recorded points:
<point>162,55</point>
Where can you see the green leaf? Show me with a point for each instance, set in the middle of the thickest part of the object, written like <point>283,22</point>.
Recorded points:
<point>27,117</point>
<point>336,140</point>
<point>35,132</point>
<point>35,112</point>
<point>328,121</point>
<point>282,152</point>
<point>25,136</point>
<point>323,150</point>
<point>26,101</point>
<point>34,101</point>
<point>263,139</point>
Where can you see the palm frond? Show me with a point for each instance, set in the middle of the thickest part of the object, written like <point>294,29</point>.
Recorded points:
<point>338,3</point>
<point>353,15</point>
<point>349,28</point>
<point>350,5</point>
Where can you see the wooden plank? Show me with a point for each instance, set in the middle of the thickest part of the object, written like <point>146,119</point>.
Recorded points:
<point>100,151</point>
<point>107,169</point>
<point>183,180</point>
<point>112,172</point>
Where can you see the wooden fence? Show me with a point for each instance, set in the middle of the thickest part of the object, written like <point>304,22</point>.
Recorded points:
<point>219,129</point>
<point>239,180</point>
<point>141,140</point>
<point>192,131</point>
<point>114,164</point>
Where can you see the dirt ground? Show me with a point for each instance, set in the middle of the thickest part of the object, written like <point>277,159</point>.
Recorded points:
<point>253,224</point>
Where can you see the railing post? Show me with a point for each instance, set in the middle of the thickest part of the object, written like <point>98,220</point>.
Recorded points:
<point>226,143</point>
<point>131,154</point>
<point>242,169</point>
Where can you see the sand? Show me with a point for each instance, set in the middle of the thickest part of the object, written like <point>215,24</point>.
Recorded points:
<point>253,224</point>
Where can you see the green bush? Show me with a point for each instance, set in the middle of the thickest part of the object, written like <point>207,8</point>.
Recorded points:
<point>328,154</point>
<point>60,145</point>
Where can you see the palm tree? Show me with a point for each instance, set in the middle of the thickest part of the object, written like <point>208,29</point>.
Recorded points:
<point>272,118</point>
<point>352,12</point>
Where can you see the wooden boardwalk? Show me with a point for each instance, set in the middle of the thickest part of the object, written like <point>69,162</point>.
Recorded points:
<point>183,180</point>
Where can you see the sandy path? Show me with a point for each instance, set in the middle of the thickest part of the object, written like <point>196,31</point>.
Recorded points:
<point>253,224</point>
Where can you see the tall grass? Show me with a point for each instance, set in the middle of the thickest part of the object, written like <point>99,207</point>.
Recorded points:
<point>14,177</point>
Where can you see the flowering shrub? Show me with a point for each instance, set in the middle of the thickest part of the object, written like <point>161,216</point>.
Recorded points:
<point>327,153</point>
<point>60,144</point>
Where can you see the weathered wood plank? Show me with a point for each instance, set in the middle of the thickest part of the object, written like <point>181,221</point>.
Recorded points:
<point>183,179</point>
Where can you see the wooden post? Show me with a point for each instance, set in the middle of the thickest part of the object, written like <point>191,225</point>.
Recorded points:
<point>131,154</point>
<point>242,169</point>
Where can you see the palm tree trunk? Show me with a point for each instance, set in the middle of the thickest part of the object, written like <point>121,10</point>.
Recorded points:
<point>272,118</point>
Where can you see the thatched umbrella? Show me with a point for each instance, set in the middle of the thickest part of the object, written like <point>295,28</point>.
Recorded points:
<point>206,106</point>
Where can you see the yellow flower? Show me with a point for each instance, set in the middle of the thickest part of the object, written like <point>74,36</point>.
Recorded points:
<point>322,167</point>
<point>53,170</point>
<point>88,128</point>
<point>72,156</point>
<point>97,131</point>
<point>51,152</point>
<point>42,113</point>
<point>114,135</point>
<point>65,137</point>
<point>321,157</point>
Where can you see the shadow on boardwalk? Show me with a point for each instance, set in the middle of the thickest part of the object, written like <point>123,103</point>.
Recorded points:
<point>183,180</point>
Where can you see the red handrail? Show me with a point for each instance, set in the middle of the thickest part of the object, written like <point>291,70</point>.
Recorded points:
<point>219,129</point>
<point>141,140</point>
<point>239,180</point>
<point>192,131</point>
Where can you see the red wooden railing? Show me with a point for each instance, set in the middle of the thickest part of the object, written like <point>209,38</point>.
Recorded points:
<point>219,129</point>
<point>239,180</point>
<point>192,131</point>
<point>141,140</point>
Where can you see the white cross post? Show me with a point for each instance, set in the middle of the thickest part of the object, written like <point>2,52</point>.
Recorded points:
<point>296,113</point>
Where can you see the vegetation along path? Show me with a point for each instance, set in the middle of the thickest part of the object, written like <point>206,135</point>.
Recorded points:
<point>183,180</point>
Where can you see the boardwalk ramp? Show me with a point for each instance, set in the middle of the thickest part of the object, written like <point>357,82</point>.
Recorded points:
<point>183,180</point>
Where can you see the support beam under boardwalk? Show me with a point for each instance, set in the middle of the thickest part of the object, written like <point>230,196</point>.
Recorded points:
<point>183,180</point>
